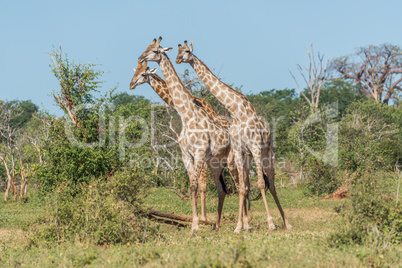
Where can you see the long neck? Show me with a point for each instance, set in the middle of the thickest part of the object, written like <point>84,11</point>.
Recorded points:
<point>212,113</point>
<point>182,99</point>
<point>224,93</point>
<point>161,89</point>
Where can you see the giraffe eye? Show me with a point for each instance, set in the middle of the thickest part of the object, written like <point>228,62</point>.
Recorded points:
<point>144,75</point>
<point>187,51</point>
<point>156,51</point>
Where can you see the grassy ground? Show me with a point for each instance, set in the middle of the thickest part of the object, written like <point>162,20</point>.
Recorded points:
<point>312,219</point>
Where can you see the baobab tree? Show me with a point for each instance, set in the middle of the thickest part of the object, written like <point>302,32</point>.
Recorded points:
<point>376,71</point>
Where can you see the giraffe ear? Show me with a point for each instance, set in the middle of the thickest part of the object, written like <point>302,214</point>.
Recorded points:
<point>152,71</point>
<point>191,46</point>
<point>166,49</point>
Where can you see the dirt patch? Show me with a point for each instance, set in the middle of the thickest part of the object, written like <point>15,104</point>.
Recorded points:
<point>12,237</point>
<point>341,193</point>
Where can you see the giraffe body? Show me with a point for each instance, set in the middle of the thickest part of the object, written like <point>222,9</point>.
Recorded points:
<point>202,141</point>
<point>145,75</point>
<point>250,137</point>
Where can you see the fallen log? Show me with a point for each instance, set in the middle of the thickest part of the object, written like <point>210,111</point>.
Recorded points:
<point>178,224</point>
<point>175,217</point>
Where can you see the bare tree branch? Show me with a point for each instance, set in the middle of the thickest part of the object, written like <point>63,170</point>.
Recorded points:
<point>372,69</point>
<point>314,77</point>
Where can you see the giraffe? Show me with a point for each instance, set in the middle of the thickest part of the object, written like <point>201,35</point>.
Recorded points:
<point>250,137</point>
<point>202,141</point>
<point>144,74</point>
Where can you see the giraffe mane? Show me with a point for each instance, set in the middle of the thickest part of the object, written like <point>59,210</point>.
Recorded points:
<point>206,66</point>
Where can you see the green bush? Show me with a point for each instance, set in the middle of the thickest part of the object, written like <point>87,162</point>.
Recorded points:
<point>103,212</point>
<point>322,178</point>
<point>71,164</point>
<point>370,137</point>
<point>311,136</point>
<point>371,214</point>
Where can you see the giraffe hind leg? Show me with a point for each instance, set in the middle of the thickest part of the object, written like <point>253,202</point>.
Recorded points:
<point>269,174</point>
<point>278,204</point>
<point>220,186</point>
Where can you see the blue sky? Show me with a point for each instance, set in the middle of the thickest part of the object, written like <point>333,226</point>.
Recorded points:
<point>249,43</point>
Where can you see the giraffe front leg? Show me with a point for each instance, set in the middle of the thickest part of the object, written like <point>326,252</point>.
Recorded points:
<point>262,180</point>
<point>193,189</point>
<point>248,160</point>
<point>242,191</point>
<point>202,185</point>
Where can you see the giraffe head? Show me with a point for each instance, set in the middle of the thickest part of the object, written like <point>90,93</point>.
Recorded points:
<point>154,51</point>
<point>142,75</point>
<point>185,53</point>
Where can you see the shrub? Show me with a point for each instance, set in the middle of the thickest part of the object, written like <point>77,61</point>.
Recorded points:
<point>322,178</point>
<point>371,214</point>
<point>103,212</point>
<point>74,165</point>
<point>370,137</point>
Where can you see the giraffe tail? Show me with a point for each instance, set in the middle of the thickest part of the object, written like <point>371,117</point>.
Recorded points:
<point>249,200</point>
<point>223,183</point>
<point>266,181</point>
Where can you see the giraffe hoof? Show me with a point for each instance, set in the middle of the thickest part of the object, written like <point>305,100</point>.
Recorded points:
<point>272,227</point>
<point>215,229</point>
<point>288,226</point>
<point>248,230</point>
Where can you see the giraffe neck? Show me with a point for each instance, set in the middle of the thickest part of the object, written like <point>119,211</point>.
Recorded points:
<point>160,87</point>
<point>212,113</point>
<point>224,93</point>
<point>182,99</point>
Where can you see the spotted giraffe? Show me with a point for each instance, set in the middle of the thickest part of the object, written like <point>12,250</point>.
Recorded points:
<point>144,74</point>
<point>202,141</point>
<point>250,136</point>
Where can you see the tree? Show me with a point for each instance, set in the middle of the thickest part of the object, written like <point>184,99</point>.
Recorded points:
<point>77,83</point>
<point>123,98</point>
<point>36,132</point>
<point>340,91</point>
<point>76,154</point>
<point>9,113</point>
<point>370,137</point>
<point>314,76</point>
<point>276,108</point>
<point>376,71</point>
<point>28,109</point>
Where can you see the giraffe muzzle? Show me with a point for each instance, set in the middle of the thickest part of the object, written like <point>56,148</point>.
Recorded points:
<point>142,58</point>
<point>133,85</point>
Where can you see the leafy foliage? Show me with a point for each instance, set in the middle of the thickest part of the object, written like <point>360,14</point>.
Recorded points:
<point>370,137</point>
<point>67,163</point>
<point>76,153</point>
<point>371,211</point>
<point>103,212</point>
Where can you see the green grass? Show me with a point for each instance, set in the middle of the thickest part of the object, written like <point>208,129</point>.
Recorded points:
<point>306,244</point>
